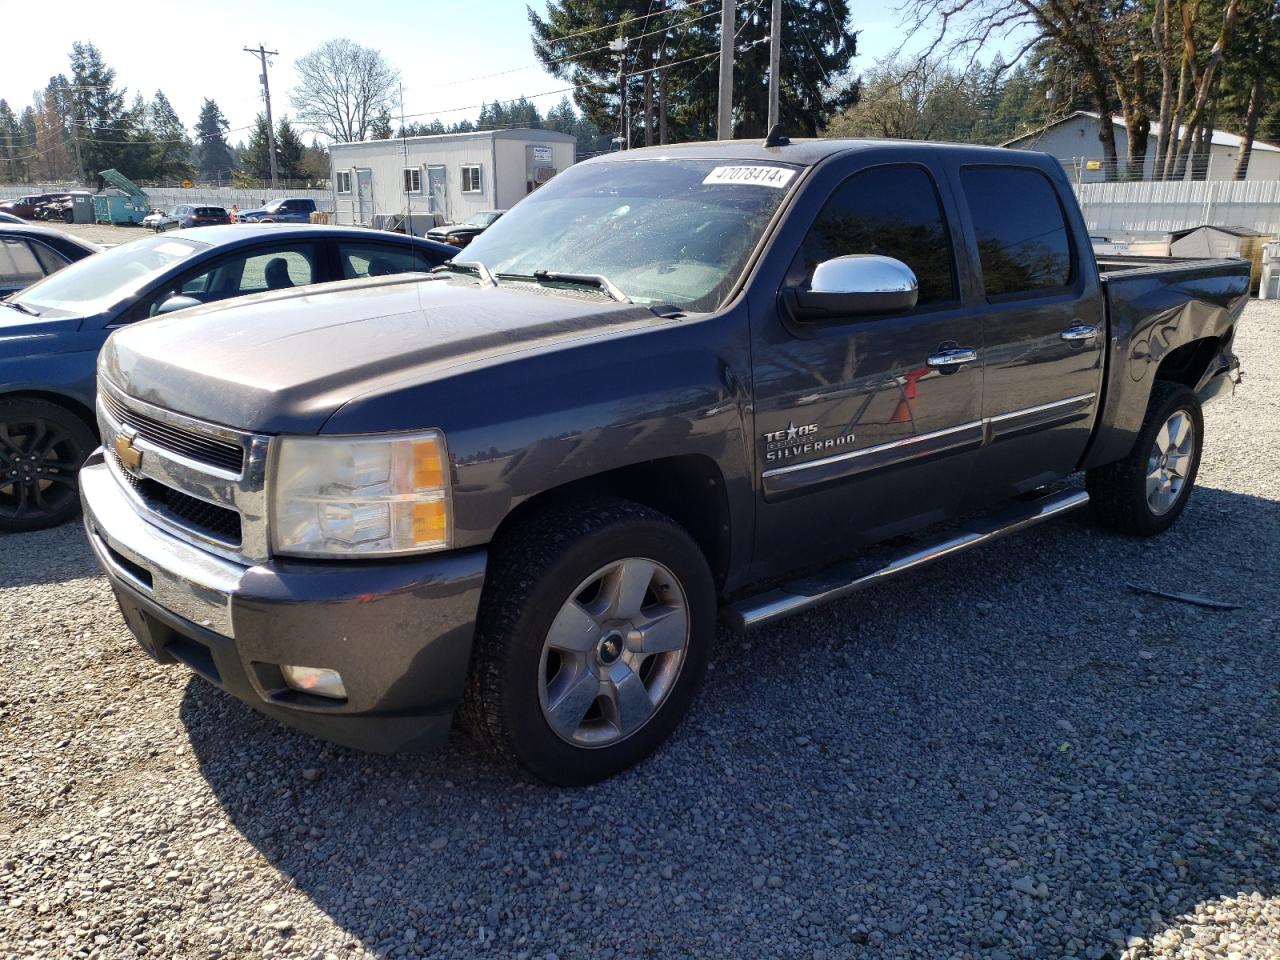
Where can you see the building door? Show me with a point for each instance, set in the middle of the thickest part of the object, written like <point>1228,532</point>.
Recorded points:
<point>364,197</point>
<point>436,191</point>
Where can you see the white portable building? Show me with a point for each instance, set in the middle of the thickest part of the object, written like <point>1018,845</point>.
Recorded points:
<point>427,181</point>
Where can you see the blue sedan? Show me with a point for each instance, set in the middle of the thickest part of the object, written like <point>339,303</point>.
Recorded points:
<point>50,333</point>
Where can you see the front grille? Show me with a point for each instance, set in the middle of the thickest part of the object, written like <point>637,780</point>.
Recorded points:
<point>195,446</point>
<point>201,516</point>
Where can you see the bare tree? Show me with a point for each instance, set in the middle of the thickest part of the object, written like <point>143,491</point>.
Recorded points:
<point>342,89</point>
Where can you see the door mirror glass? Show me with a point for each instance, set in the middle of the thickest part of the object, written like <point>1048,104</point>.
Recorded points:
<point>177,302</point>
<point>853,285</point>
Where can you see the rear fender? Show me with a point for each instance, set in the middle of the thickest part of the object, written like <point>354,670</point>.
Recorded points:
<point>1151,315</point>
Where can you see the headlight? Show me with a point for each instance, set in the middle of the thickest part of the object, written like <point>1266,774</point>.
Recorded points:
<point>366,496</point>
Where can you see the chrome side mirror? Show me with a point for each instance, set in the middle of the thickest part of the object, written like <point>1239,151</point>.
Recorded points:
<point>857,284</point>
<point>177,302</point>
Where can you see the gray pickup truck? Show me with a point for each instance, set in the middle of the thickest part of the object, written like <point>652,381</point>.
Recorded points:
<point>675,387</point>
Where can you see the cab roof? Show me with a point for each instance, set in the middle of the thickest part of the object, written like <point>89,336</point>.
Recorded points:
<point>805,152</point>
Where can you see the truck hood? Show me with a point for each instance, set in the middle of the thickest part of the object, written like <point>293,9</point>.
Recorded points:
<point>284,362</point>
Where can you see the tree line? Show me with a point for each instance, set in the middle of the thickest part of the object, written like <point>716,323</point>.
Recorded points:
<point>82,122</point>
<point>1173,70</point>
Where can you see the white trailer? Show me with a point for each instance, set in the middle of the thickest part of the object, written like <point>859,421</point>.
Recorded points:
<point>427,181</point>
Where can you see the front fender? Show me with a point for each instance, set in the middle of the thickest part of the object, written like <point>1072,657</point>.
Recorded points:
<point>542,420</point>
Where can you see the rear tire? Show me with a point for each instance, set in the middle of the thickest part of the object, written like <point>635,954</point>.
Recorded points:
<point>594,632</point>
<point>42,447</point>
<point>1144,493</point>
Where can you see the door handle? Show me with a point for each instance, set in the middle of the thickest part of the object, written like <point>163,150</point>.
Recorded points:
<point>948,361</point>
<point>1080,331</point>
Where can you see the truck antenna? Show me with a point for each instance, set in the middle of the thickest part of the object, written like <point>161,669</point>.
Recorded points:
<point>777,137</point>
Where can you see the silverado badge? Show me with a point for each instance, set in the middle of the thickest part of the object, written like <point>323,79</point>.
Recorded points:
<point>130,456</point>
<point>797,441</point>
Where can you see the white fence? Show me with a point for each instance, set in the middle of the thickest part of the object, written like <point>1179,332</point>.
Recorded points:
<point>1149,210</point>
<point>172,196</point>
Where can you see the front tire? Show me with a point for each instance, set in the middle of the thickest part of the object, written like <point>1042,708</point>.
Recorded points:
<point>594,633</point>
<point>1144,493</point>
<point>42,447</point>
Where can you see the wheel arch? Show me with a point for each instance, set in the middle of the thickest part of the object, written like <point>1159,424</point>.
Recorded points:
<point>1188,363</point>
<point>689,488</point>
<point>59,399</point>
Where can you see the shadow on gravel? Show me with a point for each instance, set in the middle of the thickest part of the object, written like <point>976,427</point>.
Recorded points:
<point>45,556</point>
<point>1009,756</point>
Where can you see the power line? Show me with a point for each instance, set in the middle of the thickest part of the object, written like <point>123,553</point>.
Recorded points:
<point>624,22</point>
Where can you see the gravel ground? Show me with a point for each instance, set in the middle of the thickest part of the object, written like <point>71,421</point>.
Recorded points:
<point>1012,755</point>
<point>104,233</point>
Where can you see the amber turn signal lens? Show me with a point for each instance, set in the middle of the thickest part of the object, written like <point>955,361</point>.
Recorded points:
<point>430,522</point>
<point>428,470</point>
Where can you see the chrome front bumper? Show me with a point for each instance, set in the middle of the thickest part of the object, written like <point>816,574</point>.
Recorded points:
<point>176,575</point>
<point>399,633</point>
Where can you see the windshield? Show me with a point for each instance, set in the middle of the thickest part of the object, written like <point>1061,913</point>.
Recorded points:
<point>99,281</point>
<point>480,220</point>
<point>663,231</point>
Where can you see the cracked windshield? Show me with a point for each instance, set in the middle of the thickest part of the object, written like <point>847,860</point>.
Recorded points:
<point>667,232</point>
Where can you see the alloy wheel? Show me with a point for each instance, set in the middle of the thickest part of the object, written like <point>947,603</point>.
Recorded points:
<point>38,465</point>
<point>1170,461</point>
<point>613,652</point>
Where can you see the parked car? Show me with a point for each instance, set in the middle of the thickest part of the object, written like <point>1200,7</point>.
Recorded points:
<point>189,215</point>
<point>288,210</point>
<point>160,220</point>
<point>50,333</point>
<point>6,217</point>
<point>672,385</point>
<point>461,234</point>
<point>53,207</point>
<point>25,207</point>
<point>29,253</point>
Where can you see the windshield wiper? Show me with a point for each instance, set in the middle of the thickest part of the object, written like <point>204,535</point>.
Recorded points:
<point>469,267</point>
<point>21,307</point>
<point>597,280</point>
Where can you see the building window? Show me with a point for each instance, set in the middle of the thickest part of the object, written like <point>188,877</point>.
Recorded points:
<point>412,179</point>
<point>471,178</point>
<point>344,181</point>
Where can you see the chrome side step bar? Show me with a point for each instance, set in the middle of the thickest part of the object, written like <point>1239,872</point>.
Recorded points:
<point>880,565</point>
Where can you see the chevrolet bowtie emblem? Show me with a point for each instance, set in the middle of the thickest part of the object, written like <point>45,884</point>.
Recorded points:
<point>130,456</point>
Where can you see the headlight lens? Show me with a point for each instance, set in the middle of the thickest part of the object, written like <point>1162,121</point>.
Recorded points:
<point>368,496</point>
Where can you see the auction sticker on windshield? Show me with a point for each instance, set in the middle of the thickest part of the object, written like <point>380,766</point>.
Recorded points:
<point>777,177</point>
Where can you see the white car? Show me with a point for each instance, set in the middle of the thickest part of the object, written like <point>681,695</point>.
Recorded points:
<point>160,221</point>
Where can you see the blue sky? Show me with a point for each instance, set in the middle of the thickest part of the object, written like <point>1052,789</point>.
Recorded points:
<point>194,50</point>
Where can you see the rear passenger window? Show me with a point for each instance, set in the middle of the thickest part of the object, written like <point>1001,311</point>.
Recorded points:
<point>378,259</point>
<point>893,211</point>
<point>49,260</point>
<point>18,265</point>
<point>1023,243</point>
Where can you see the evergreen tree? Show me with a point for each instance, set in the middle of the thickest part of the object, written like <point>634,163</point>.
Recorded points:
<point>289,151</point>
<point>171,150</point>
<point>380,128</point>
<point>255,158</point>
<point>315,162</point>
<point>101,122</point>
<point>10,143</point>
<point>214,159</point>
<point>672,67</point>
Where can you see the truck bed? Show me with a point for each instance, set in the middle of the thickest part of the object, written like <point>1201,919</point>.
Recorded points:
<point>1116,263</point>
<point>1154,306</point>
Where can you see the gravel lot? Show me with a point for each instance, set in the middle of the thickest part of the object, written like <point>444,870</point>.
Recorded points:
<point>104,233</point>
<point>1013,755</point>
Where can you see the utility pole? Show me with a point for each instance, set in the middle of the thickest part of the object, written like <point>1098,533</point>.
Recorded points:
<point>775,62</point>
<point>728,19</point>
<point>619,47</point>
<point>261,53</point>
